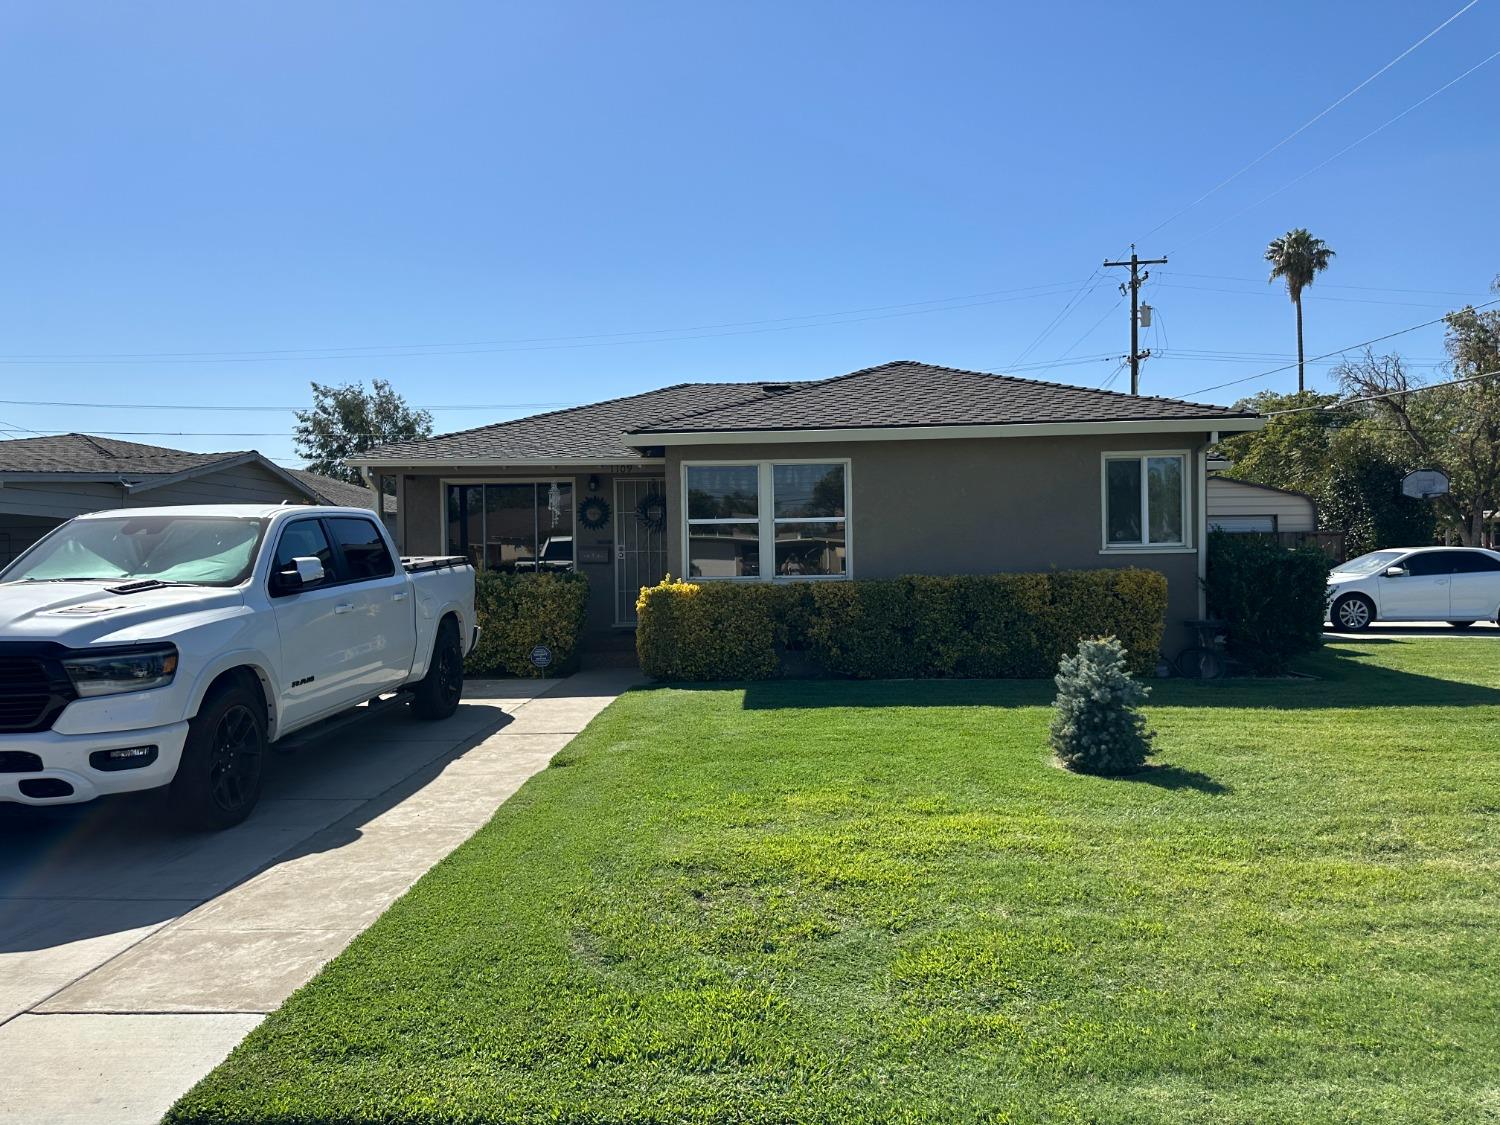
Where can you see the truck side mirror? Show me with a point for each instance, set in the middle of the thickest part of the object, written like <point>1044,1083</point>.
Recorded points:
<point>303,572</point>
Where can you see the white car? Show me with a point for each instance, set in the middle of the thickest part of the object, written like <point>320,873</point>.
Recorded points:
<point>1459,585</point>
<point>171,646</point>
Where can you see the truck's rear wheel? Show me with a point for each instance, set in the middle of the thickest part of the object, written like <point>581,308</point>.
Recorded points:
<point>218,780</point>
<point>438,692</point>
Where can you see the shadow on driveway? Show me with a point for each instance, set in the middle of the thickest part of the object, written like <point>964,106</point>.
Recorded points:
<point>77,872</point>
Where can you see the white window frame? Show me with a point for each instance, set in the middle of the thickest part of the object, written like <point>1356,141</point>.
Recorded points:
<point>766,517</point>
<point>444,482</point>
<point>1145,548</point>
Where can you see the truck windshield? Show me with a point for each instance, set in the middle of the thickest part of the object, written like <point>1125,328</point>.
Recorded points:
<point>195,550</point>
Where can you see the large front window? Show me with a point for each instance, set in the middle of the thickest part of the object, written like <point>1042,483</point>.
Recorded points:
<point>767,519</point>
<point>1145,500</point>
<point>514,526</point>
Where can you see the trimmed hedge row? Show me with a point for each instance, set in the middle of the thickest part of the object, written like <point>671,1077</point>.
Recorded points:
<point>517,612</point>
<point>1274,600</point>
<point>993,625</point>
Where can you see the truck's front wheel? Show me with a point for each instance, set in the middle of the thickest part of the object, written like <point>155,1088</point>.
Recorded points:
<point>439,691</point>
<point>218,779</point>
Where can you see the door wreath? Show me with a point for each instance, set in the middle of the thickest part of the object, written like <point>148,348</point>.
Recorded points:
<point>593,513</point>
<point>652,511</point>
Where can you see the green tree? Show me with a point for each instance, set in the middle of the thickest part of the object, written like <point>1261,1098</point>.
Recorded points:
<point>1453,426</point>
<point>347,420</point>
<point>1297,257</point>
<point>1344,459</point>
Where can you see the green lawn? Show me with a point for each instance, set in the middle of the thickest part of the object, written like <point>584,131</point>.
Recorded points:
<point>861,902</point>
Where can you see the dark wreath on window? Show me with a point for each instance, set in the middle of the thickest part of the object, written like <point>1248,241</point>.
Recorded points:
<point>593,512</point>
<point>651,512</point>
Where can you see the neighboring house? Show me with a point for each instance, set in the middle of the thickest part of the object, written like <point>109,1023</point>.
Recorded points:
<point>905,468</point>
<point>1240,506</point>
<point>47,480</point>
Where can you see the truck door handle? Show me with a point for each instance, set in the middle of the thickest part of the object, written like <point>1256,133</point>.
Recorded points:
<point>343,607</point>
<point>398,597</point>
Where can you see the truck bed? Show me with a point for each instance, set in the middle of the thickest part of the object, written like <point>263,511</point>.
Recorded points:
<point>416,563</point>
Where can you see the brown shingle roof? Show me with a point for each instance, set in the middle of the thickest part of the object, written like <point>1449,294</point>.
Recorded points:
<point>579,433</point>
<point>85,454</point>
<point>908,393</point>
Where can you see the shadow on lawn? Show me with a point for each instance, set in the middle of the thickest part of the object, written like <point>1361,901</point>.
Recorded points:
<point>1175,777</point>
<point>1338,677</point>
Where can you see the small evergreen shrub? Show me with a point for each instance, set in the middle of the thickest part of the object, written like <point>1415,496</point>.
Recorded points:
<point>991,625</point>
<point>1274,600</point>
<point>517,612</point>
<point>1096,724</point>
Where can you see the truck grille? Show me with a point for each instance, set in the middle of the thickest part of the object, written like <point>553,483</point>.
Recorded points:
<point>33,687</point>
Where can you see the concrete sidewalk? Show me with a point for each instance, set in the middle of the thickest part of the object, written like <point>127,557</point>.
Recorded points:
<point>133,959</point>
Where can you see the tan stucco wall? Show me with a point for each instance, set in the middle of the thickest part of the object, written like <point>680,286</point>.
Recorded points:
<point>977,506</point>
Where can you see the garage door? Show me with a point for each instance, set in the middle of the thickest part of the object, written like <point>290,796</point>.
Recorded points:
<point>1243,524</point>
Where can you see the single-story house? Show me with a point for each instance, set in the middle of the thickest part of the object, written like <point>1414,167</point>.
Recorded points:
<point>47,480</point>
<point>904,468</point>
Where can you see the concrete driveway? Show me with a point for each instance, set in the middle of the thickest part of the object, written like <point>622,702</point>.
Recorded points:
<point>134,957</point>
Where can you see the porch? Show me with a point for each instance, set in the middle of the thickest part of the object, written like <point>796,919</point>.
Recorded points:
<point>608,522</point>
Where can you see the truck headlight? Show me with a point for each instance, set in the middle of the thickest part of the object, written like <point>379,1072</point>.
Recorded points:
<point>126,669</point>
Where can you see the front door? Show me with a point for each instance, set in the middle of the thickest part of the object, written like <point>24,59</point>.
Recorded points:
<point>640,541</point>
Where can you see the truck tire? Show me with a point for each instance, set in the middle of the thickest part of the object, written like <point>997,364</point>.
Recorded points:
<point>218,780</point>
<point>438,692</point>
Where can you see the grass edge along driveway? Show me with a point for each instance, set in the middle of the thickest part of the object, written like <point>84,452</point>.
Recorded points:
<point>862,902</point>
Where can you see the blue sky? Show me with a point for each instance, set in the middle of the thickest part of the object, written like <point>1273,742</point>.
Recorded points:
<point>494,204</point>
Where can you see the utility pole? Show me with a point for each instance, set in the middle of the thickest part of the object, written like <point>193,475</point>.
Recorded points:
<point>1137,275</point>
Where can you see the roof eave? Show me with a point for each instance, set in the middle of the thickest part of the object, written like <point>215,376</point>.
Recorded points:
<point>1213,424</point>
<point>365,463</point>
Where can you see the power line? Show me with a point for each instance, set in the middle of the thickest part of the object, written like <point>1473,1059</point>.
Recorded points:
<point>1353,144</point>
<point>539,343</point>
<point>1307,124</point>
<point>1316,297</point>
<point>1388,394</point>
<point>1328,285</point>
<point>1336,351</point>
<point>1062,314</point>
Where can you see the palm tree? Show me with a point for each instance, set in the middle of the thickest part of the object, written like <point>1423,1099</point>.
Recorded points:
<point>1298,257</point>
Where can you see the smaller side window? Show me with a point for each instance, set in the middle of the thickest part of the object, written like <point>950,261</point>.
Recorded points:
<point>1475,562</point>
<point>303,539</point>
<point>363,547</point>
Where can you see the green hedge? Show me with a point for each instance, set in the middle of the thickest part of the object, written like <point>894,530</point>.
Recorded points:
<point>1273,599</point>
<point>996,625</point>
<point>517,612</point>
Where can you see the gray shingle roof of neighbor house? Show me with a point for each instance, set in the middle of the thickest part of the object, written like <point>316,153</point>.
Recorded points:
<point>580,433</point>
<point>906,393</point>
<point>85,454</point>
<point>899,394</point>
<point>88,455</point>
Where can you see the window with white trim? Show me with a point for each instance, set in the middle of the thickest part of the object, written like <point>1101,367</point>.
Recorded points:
<point>767,519</point>
<point>1145,500</point>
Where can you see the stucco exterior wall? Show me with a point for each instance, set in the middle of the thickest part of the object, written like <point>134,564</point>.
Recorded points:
<point>978,506</point>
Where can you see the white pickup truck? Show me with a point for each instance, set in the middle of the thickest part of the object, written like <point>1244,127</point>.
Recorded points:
<point>171,646</point>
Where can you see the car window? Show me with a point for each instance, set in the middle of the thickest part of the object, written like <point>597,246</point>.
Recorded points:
<point>1474,562</point>
<point>1429,563</point>
<point>304,539</point>
<point>365,553</point>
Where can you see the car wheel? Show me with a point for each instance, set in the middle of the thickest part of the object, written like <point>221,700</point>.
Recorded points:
<point>218,780</point>
<point>1460,624</point>
<point>439,691</point>
<point>1353,614</point>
